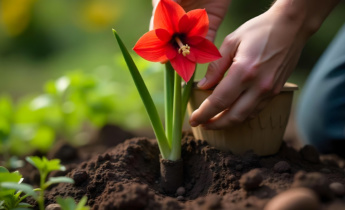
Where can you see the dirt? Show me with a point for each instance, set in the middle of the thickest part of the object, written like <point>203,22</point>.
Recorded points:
<point>127,176</point>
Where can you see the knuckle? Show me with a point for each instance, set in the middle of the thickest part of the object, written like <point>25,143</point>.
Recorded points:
<point>249,73</point>
<point>218,103</point>
<point>229,40</point>
<point>266,88</point>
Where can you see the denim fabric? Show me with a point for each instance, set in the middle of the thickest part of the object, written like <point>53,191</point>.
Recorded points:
<point>321,109</point>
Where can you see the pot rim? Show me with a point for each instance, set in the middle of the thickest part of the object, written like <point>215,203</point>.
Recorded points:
<point>287,86</point>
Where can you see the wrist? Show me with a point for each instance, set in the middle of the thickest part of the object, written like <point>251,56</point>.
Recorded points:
<point>306,15</point>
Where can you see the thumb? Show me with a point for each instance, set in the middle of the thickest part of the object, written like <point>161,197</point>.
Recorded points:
<point>216,69</point>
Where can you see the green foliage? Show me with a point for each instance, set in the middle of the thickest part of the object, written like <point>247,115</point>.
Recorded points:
<point>71,107</point>
<point>11,190</point>
<point>69,204</point>
<point>11,186</point>
<point>46,166</point>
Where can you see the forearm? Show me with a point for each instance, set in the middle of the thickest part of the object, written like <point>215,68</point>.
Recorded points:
<point>306,15</point>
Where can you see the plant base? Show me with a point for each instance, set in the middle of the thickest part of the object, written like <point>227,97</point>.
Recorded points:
<point>171,175</point>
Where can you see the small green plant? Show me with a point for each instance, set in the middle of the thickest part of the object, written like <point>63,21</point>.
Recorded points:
<point>69,203</point>
<point>11,189</point>
<point>46,166</point>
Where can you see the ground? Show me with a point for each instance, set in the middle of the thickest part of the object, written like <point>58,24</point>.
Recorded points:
<point>120,171</point>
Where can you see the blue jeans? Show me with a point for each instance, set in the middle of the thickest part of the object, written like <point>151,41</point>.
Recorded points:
<point>321,109</point>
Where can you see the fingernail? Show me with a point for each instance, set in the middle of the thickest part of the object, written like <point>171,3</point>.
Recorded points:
<point>193,123</point>
<point>202,82</point>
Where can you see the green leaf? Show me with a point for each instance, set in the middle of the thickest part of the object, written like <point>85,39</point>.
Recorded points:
<point>62,84</point>
<point>50,87</point>
<point>44,165</point>
<point>35,161</point>
<point>169,78</point>
<point>60,179</point>
<point>20,187</point>
<point>69,203</point>
<point>66,204</point>
<point>81,204</point>
<point>10,177</point>
<point>41,101</point>
<point>3,170</point>
<point>147,100</point>
<point>44,138</point>
<point>6,106</point>
<point>23,206</point>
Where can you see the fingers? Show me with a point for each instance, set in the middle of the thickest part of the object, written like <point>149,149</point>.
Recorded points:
<point>237,113</point>
<point>259,107</point>
<point>217,69</point>
<point>248,106</point>
<point>222,98</point>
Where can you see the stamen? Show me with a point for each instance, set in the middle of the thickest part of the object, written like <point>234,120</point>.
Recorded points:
<point>185,49</point>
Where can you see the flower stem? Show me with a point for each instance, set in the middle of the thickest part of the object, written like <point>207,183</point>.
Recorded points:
<point>177,122</point>
<point>169,94</point>
<point>147,100</point>
<point>186,95</point>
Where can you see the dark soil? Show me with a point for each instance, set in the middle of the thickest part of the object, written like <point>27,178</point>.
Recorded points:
<point>127,176</point>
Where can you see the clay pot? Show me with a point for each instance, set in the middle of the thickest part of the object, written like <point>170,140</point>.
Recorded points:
<point>263,134</point>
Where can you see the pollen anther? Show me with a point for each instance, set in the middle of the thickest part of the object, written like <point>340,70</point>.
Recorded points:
<point>184,49</point>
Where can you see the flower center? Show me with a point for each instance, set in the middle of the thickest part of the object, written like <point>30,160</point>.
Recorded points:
<point>183,48</point>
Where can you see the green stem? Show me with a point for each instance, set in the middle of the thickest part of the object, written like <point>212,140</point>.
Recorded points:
<point>41,194</point>
<point>169,94</point>
<point>186,95</point>
<point>147,100</point>
<point>177,122</point>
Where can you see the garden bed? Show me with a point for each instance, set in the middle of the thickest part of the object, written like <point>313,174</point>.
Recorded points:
<point>126,175</point>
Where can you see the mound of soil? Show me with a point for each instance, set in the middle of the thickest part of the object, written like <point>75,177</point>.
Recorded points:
<point>127,176</point>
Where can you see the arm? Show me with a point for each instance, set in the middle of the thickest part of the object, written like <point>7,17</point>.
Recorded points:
<point>258,58</point>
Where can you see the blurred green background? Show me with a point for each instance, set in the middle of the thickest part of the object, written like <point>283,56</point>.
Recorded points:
<point>40,40</point>
<point>46,45</point>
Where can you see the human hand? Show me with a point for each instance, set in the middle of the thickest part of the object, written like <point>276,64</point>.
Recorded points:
<point>258,58</point>
<point>216,11</point>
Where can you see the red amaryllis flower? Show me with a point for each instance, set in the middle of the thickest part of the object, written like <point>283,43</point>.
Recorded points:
<point>179,37</point>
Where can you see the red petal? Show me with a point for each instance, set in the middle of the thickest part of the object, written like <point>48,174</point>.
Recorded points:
<point>151,48</point>
<point>171,51</point>
<point>195,23</point>
<point>167,15</point>
<point>204,52</point>
<point>194,40</point>
<point>163,35</point>
<point>184,67</point>
<point>184,24</point>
